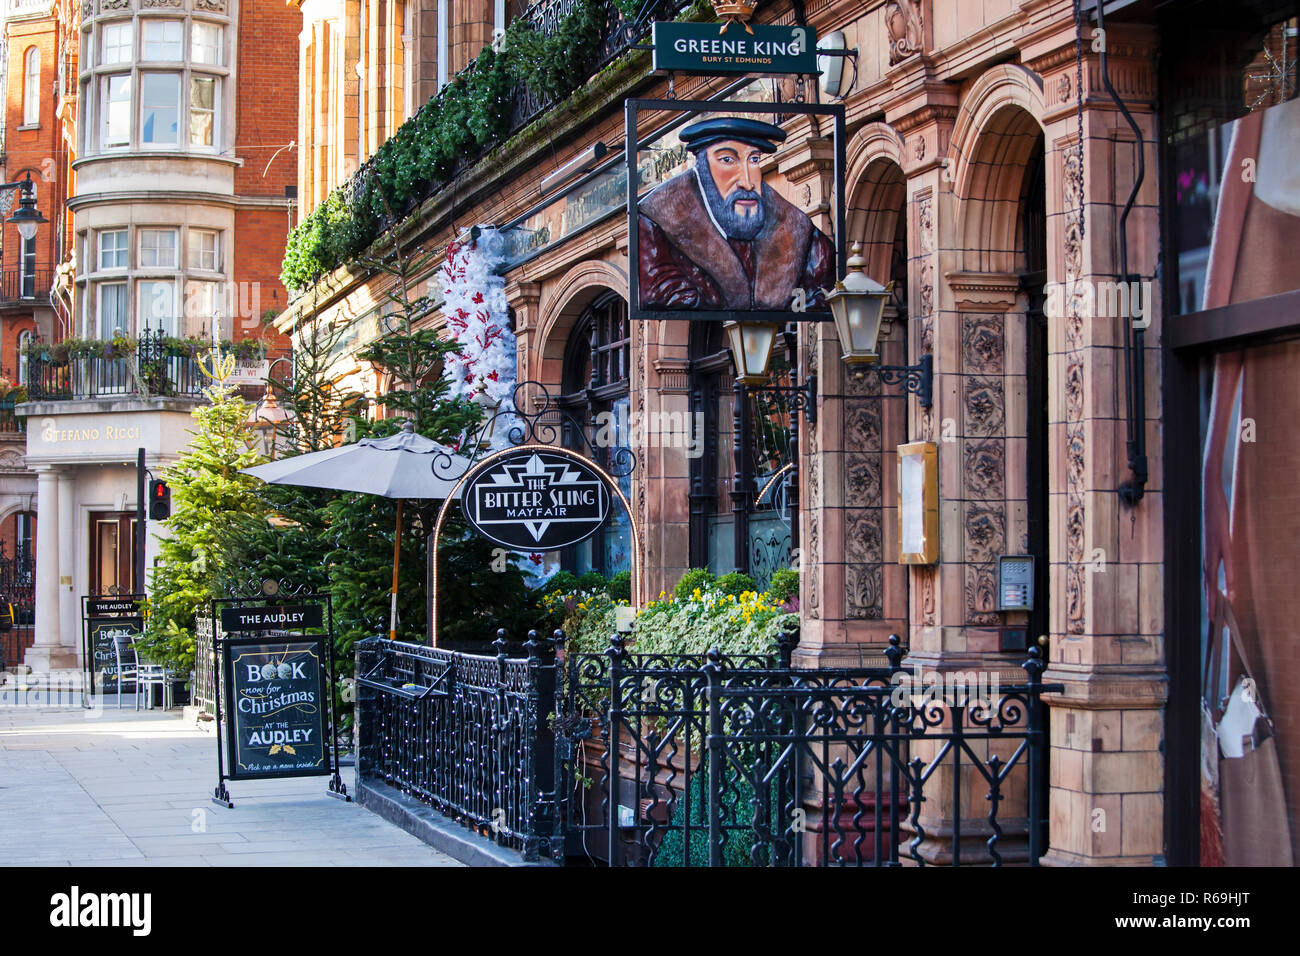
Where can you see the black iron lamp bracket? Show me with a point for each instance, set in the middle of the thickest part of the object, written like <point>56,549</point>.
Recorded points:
<point>800,397</point>
<point>916,379</point>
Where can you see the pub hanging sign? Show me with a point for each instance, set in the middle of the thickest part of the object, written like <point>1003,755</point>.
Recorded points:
<point>764,49</point>
<point>533,500</point>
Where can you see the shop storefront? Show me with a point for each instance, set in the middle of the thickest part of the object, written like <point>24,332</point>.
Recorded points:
<point>1231,129</point>
<point>84,454</point>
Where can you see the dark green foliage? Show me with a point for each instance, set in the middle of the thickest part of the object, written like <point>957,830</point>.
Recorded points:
<point>694,578</point>
<point>784,585</point>
<point>735,583</point>
<point>620,586</point>
<point>592,581</point>
<point>211,501</point>
<point>737,808</point>
<point>470,115</point>
<point>562,582</point>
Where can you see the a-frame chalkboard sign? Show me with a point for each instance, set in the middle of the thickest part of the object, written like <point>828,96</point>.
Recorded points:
<point>274,673</point>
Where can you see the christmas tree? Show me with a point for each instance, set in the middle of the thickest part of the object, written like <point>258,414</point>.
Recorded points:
<point>211,501</point>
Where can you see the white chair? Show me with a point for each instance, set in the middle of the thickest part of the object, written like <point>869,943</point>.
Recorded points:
<point>128,666</point>
<point>149,676</point>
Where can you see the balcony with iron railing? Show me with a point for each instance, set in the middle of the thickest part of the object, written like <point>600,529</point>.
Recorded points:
<point>18,286</point>
<point>152,366</point>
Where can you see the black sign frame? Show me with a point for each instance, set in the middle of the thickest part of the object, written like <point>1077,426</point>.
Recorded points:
<point>98,609</point>
<point>232,726</point>
<point>274,596</point>
<point>522,457</point>
<point>690,108</point>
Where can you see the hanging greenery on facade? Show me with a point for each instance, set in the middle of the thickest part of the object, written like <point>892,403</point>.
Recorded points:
<point>467,117</point>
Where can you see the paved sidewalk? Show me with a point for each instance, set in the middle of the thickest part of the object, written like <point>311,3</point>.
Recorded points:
<point>123,788</point>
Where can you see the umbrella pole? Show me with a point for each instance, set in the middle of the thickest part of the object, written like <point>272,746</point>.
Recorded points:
<point>397,560</point>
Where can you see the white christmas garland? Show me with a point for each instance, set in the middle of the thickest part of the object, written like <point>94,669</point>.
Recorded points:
<point>483,366</point>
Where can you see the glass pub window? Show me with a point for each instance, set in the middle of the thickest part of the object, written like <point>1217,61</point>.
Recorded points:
<point>595,387</point>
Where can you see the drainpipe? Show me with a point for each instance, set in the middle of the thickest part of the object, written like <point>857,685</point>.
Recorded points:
<point>1132,490</point>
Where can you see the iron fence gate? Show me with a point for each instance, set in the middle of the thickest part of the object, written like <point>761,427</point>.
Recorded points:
<point>707,759</point>
<point>17,605</point>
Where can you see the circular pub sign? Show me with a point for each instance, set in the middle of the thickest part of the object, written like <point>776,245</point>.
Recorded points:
<point>535,500</point>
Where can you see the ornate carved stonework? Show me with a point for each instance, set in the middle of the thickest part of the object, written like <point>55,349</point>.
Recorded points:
<point>1075,451</point>
<point>1063,88</point>
<point>864,584</point>
<point>924,577</point>
<point>985,469</point>
<point>211,6</point>
<point>862,480</point>
<point>982,343</point>
<point>148,4</point>
<point>906,29</point>
<point>114,5</point>
<point>981,591</point>
<point>984,405</point>
<point>985,531</point>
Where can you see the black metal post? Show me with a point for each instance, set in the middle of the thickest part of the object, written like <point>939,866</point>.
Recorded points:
<point>615,653</point>
<point>140,495</point>
<point>714,744</point>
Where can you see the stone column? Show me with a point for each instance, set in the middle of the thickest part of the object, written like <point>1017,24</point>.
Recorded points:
<point>69,613</point>
<point>47,653</point>
<point>1107,728</point>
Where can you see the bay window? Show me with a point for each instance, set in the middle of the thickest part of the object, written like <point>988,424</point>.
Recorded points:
<point>203,110</point>
<point>205,43</point>
<point>160,107</point>
<point>201,250</point>
<point>156,305</point>
<point>158,248</point>
<point>113,309</point>
<point>115,111</point>
<point>162,40</point>
<point>112,249</point>
<point>115,43</point>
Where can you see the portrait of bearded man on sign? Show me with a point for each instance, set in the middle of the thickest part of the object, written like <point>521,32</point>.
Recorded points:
<point>717,237</point>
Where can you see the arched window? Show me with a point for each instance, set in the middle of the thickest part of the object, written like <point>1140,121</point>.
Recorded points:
<point>32,86</point>
<point>595,394</point>
<point>748,525</point>
<point>24,340</point>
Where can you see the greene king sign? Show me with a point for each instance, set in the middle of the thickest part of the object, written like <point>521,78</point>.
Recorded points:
<point>536,501</point>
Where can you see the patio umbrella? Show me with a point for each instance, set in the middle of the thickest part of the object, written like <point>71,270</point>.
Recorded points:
<point>398,466</point>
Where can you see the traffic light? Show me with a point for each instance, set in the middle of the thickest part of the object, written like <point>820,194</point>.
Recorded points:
<point>160,500</point>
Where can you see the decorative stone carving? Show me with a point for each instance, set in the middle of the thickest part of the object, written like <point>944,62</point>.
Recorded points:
<point>114,5</point>
<point>918,147</point>
<point>864,584</point>
<point>981,602</point>
<point>862,537</point>
<point>149,4</point>
<point>862,426</point>
<point>1063,88</point>
<point>906,29</point>
<point>985,532</point>
<point>984,405</point>
<point>985,469</point>
<point>210,6</point>
<point>982,343</point>
<point>924,577</point>
<point>862,480</point>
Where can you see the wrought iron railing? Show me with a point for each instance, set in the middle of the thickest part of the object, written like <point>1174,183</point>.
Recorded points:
<point>467,734</point>
<point>708,759</point>
<point>17,600</point>
<point>151,369</point>
<point>17,285</point>
<point>10,423</point>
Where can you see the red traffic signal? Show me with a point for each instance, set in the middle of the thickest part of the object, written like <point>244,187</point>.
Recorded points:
<point>160,500</point>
